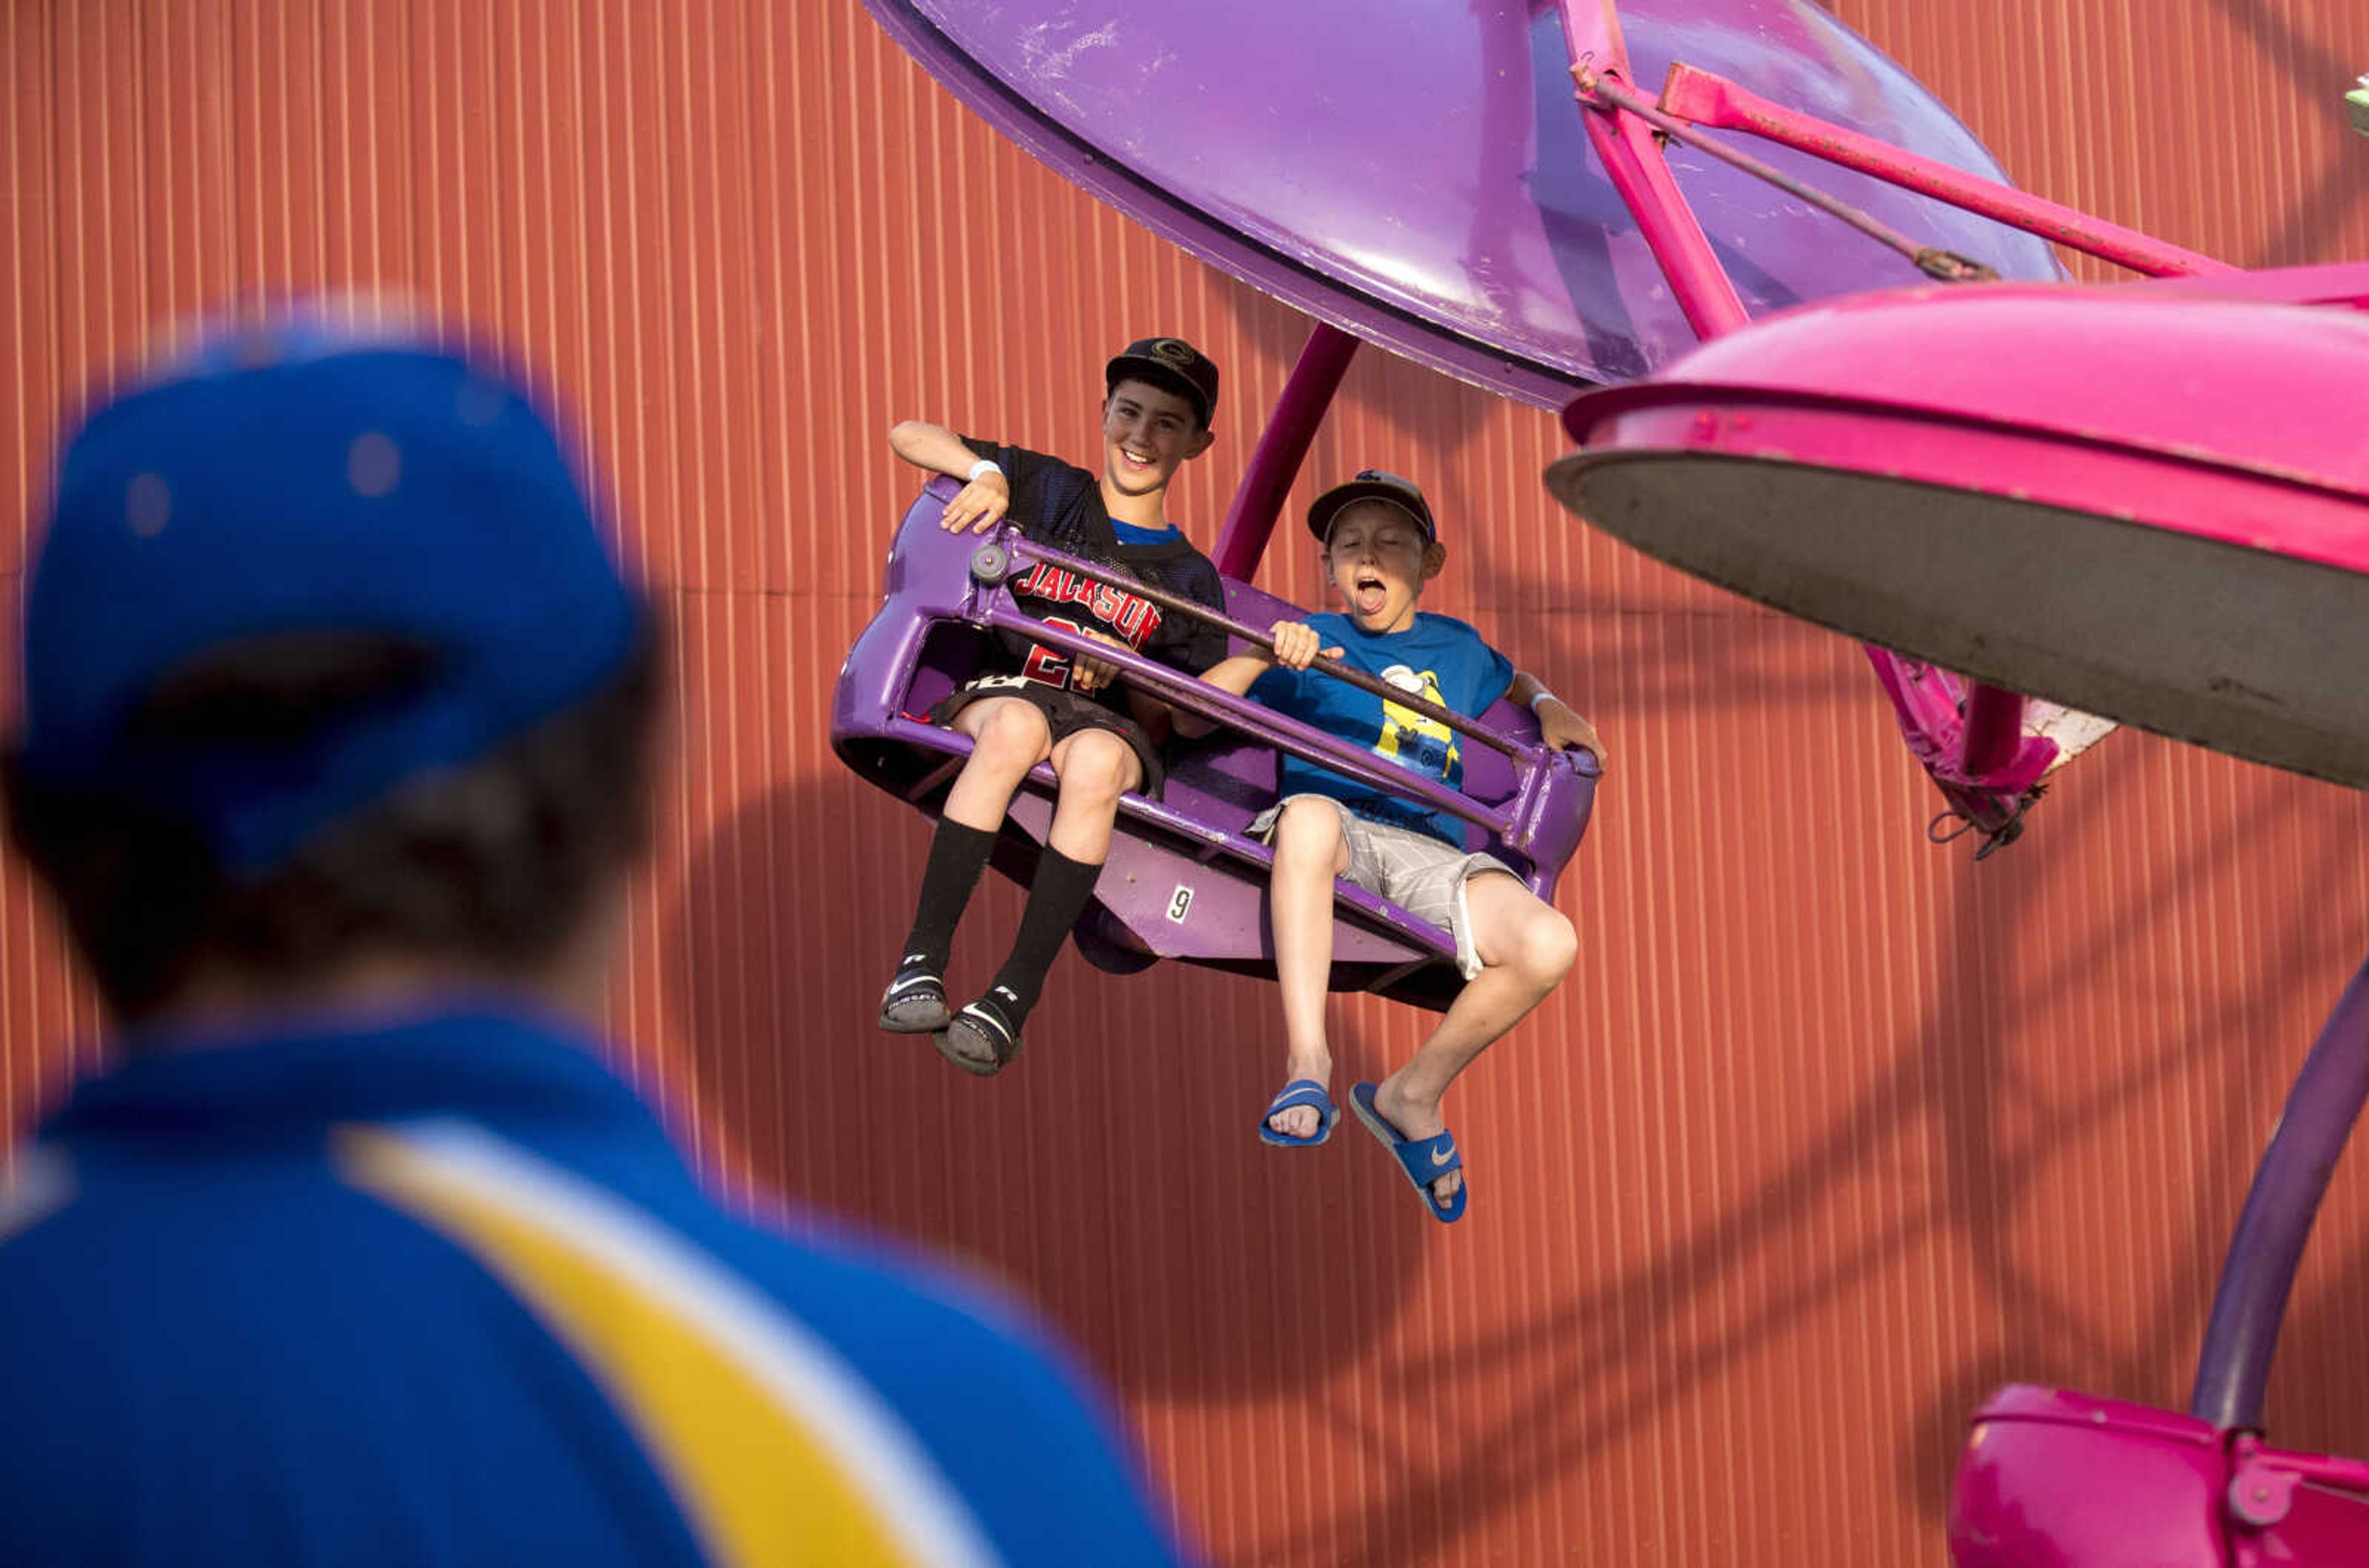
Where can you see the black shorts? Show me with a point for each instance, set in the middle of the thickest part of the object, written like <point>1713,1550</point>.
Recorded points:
<point>1066,713</point>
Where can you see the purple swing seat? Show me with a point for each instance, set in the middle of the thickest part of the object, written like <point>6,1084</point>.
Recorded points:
<point>1183,881</point>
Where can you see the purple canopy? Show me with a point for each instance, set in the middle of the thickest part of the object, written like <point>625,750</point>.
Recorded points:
<point>1416,173</point>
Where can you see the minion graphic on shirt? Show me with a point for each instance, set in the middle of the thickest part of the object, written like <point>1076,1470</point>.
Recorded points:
<point>1412,739</point>
<point>1438,660</point>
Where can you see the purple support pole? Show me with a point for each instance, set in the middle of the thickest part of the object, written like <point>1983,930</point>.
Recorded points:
<point>1258,500</point>
<point>1713,100</point>
<point>2235,1363</point>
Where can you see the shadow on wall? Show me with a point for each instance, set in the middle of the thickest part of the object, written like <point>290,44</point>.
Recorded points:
<point>2003,1133</point>
<point>2320,1346</point>
<point>1111,1172</point>
<point>1114,1171</point>
<point>2312,225</point>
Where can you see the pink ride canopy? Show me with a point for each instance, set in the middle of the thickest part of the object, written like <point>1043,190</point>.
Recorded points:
<point>2147,502</point>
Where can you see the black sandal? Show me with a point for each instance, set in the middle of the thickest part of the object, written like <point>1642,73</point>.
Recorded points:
<point>990,1038</point>
<point>915,1003</point>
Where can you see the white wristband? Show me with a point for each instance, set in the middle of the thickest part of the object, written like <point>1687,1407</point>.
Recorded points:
<point>1542,695</point>
<point>984,466</point>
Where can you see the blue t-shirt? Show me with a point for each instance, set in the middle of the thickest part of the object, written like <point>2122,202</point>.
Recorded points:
<point>438,1293</point>
<point>1439,658</point>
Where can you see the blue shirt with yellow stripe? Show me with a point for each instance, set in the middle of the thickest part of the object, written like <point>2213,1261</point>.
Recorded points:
<point>441,1292</point>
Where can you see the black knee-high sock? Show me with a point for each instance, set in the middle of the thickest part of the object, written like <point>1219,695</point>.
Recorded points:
<point>1055,899</point>
<point>958,855</point>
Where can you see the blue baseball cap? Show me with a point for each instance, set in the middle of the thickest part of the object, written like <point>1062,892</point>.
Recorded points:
<point>286,479</point>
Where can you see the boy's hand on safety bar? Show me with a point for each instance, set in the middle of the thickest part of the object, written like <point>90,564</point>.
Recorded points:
<point>977,505</point>
<point>1296,645</point>
<point>1561,728</point>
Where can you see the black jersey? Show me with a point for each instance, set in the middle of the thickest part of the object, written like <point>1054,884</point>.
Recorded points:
<point>1060,505</point>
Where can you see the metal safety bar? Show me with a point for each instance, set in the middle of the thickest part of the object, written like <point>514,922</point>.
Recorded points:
<point>1511,825</point>
<point>1193,610</point>
<point>1284,733</point>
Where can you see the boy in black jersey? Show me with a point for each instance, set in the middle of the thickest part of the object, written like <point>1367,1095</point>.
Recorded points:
<point>1037,702</point>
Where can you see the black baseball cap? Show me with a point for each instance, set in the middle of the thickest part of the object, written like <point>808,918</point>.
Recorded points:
<point>1171,363</point>
<point>1371,484</point>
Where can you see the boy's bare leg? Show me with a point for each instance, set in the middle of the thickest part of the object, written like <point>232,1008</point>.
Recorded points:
<point>1009,736</point>
<point>1526,948</point>
<point>1095,767</point>
<point>1310,852</point>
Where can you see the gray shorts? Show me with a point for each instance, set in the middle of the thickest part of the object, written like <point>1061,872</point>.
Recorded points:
<point>1421,875</point>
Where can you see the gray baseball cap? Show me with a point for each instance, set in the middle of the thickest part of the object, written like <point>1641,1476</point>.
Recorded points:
<point>1371,484</point>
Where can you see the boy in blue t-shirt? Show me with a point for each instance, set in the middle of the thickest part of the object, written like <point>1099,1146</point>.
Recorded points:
<point>1380,546</point>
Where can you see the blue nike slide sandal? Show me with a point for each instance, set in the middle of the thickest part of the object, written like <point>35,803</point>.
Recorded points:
<point>1300,1092</point>
<point>1423,1159</point>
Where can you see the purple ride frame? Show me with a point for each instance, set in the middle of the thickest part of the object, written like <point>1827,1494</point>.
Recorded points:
<point>1532,804</point>
<point>1516,826</point>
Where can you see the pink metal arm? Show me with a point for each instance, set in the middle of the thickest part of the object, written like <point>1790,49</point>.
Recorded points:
<point>1643,176</point>
<point>1709,99</point>
<point>1981,747</point>
<point>1591,31</point>
<point>1994,731</point>
<point>1985,749</point>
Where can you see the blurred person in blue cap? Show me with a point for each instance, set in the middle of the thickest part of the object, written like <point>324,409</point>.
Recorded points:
<point>337,747</point>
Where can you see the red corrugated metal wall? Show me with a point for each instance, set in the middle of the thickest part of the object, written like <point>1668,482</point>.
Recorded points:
<point>1829,1128</point>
